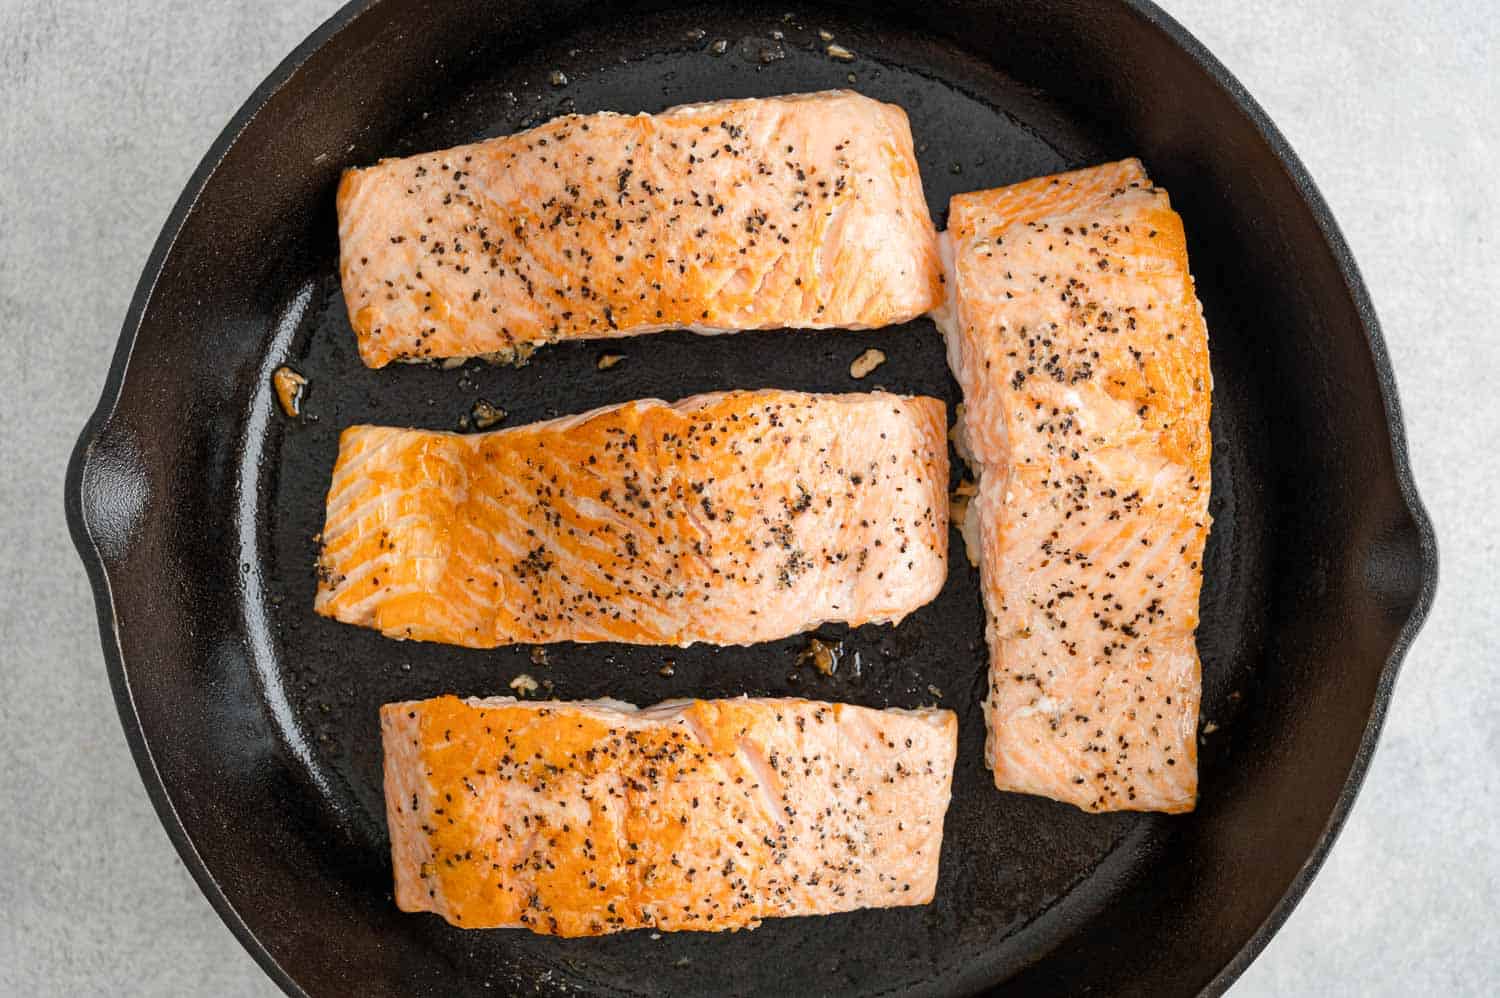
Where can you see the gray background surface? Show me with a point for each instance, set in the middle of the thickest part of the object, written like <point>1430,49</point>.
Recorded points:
<point>105,109</point>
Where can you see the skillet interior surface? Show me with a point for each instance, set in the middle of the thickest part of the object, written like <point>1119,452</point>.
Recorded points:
<point>197,503</point>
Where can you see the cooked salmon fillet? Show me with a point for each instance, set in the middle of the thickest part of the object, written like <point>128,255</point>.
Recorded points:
<point>727,518</point>
<point>803,211</point>
<point>1073,328</point>
<point>579,819</point>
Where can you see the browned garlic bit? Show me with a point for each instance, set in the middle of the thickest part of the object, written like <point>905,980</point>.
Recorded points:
<point>958,515</point>
<point>840,53</point>
<point>515,356</point>
<point>483,416</point>
<point>289,386</point>
<point>608,360</point>
<point>823,655</point>
<point>866,362</point>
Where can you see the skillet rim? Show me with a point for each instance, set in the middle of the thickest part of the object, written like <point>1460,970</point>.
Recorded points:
<point>98,424</point>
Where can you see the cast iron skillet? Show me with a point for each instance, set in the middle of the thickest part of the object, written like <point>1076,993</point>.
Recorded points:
<point>194,503</point>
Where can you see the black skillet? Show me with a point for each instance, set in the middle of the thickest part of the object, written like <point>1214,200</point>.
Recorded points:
<point>194,503</point>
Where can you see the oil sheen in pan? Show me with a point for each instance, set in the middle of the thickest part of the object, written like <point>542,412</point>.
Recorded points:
<point>1018,873</point>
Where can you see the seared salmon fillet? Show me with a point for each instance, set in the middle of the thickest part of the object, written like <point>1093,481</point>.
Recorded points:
<point>580,819</point>
<point>1073,328</point>
<point>802,211</point>
<point>728,518</point>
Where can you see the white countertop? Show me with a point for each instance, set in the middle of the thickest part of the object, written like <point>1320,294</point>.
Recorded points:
<point>105,109</point>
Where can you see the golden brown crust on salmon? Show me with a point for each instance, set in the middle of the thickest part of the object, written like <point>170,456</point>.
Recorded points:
<point>580,819</point>
<point>1074,330</point>
<point>798,211</point>
<point>730,518</point>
